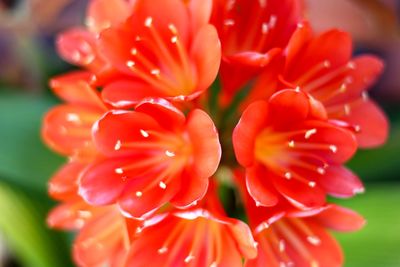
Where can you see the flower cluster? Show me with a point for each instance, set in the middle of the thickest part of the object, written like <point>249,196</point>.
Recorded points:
<point>175,100</point>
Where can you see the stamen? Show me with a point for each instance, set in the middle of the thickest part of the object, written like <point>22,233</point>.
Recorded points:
<point>162,250</point>
<point>169,154</point>
<point>144,133</point>
<point>162,185</point>
<point>118,145</point>
<point>189,258</point>
<point>309,133</point>
<point>314,240</point>
<point>229,22</point>
<point>119,171</point>
<point>148,22</point>
<point>312,184</point>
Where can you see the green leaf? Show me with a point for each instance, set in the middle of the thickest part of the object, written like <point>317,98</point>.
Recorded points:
<point>24,160</point>
<point>22,224</point>
<point>378,243</point>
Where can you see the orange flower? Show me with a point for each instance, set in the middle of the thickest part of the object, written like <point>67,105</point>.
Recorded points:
<point>199,236</point>
<point>290,150</point>
<point>288,236</point>
<point>252,33</point>
<point>67,128</point>
<point>152,155</point>
<point>325,70</point>
<point>104,236</point>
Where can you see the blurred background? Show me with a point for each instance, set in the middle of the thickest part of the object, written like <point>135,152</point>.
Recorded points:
<point>28,59</point>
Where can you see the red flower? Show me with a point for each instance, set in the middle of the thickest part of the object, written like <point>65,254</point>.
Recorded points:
<point>200,236</point>
<point>251,33</point>
<point>302,239</point>
<point>153,155</point>
<point>322,66</point>
<point>170,52</point>
<point>80,46</point>
<point>104,237</point>
<point>288,149</point>
<point>67,127</point>
<point>288,236</point>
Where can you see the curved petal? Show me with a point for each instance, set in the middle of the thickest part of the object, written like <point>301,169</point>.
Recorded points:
<point>339,181</point>
<point>287,107</point>
<point>191,191</point>
<point>372,123</point>
<point>205,143</point>
<point>101,184</point>
<point>245,132</point>
<point>71,215</point>
<point>120,132</point>
<point>64,183</point>
<point>300,38</point>
<point>167,115</point>
<point>127,93</point>
<point>259,186</point>
<point>103,14</point>
<point>75,88</point>
<point>338,144</point>
<point>199,13</point>
<point>102,238</point>
<point>206,53</point>
<point>143,195</point>
<point>300,194</point>
<point>79,47</point>
<point>340,219</point>
<point>67,129</point>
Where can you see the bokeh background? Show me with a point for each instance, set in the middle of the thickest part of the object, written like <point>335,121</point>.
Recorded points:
<point>28,59</point>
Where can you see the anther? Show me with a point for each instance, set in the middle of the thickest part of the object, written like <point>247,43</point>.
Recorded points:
<point>148,22</point>
<point>118,145</point>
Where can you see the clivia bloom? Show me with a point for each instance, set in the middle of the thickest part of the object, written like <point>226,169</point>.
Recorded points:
<point>104,236</point>
<point>252,33</point>
<point>302,239</point>
<point>67,128</point>
<point>141,182</point>
<point>152,156</point>
<point>166,48</point>
<point>288,236</point>
<point>289,150</point>
<point>320,67</point>
<point>199,236</point>
<point>80,46</point>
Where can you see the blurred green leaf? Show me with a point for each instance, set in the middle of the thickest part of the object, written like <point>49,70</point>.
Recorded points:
<point>24,160</point>
<point>22,223</point>
<point>377,245</point>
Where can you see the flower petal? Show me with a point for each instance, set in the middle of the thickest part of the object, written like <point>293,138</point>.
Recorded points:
<point>67,129</point>
<point>300,194</point>
<point>74,88</point>
<point>287,107</point>
<point>105,13</point>
<point>339,181</point>
<point>101,184</point>
<point>167,115</point>
<point>117,129</point>
<point>206,53</point>
<point>259,186</point>
<point>340,219</point>
<point>144,194</point>
<point>192,190</point>
<point>245,132</point>
<point>373,124</point>
<point>64,183</point>
<point>204,139</point>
